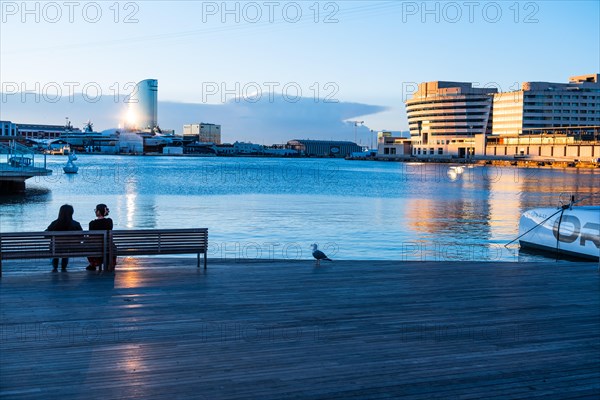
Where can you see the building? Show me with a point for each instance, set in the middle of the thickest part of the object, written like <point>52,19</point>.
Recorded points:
<point>203,132</point>
<point>142,112</point>
<point>323,148</point>
<point>456,120</point>
<point>393,147</point>
<point>546,105</point>
<point>449,119</point>
<point>8,130</point>
<point>36,131</point>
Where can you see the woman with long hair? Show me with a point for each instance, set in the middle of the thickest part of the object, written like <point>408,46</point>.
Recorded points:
<point>64,222</point>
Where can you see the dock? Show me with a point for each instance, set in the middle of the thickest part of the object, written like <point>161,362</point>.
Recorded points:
<point>160,328</point>
<point>13,179</point>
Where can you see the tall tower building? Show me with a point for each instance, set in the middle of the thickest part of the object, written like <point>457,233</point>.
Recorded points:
<point>142,112</point>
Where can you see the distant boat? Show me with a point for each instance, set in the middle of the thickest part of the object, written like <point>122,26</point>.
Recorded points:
<point>573,231</point>
<point>71,168</point>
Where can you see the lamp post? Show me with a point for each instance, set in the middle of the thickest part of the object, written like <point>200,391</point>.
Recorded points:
<point>371,146</point>
<point>355,126</point>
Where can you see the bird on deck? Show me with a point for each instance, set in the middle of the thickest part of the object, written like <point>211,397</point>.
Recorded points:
<point>318,254</point>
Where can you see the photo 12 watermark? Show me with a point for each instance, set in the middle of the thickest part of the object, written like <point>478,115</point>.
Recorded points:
<point>69,12</point>
<point>453,12</point>
<point>67,332</point>
<point>495,90</point>
<point>252,12</point>
<point>451,332</point>
<point>266,251</point>
<point>231,332</point>
<point>254,92</point>
<point>71,92</point>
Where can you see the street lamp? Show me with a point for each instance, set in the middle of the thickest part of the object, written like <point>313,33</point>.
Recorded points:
<point>355,125</point>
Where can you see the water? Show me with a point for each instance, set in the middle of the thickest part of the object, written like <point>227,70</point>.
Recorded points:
<point>275,208</point>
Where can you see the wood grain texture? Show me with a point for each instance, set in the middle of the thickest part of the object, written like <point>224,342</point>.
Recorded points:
<point>160,328</point>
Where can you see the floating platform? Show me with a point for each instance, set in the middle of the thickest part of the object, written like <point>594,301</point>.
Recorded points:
<point>162,328</point>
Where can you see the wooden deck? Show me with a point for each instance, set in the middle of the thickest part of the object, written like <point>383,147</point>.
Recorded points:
<point>162,328</point>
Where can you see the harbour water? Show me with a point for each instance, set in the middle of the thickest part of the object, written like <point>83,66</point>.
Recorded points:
<point>273,208</point>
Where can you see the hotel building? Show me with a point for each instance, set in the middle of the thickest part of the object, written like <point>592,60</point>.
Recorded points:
<point>142,112</point>
<point>449,118</point>
<point>454,119</point>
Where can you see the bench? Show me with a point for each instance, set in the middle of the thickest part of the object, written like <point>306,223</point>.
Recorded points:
<point>36,245</point>
<point>158,241</point>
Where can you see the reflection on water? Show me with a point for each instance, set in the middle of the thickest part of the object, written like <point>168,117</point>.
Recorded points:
<point>31,195</point>
<point>276,208</point>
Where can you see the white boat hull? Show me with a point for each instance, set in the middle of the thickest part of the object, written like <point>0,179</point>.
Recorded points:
<point>577,233</point>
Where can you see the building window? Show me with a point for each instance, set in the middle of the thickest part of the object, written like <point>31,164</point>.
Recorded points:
<point>431,150</point>
<point>440,150</point>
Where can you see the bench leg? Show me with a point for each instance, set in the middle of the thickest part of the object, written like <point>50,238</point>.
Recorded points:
<point>205,258</point>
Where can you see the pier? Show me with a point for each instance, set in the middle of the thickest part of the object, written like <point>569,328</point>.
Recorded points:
<point>162,328</point>
<point>13,179</point>
<point>19,166</point>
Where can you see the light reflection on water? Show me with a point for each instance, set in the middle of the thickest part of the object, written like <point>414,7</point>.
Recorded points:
<point>275,208</point>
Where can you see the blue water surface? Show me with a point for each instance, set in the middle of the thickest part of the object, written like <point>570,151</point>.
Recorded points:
<point>275,208</point>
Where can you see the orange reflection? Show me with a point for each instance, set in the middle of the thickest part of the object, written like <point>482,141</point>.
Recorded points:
<point>129,274</point>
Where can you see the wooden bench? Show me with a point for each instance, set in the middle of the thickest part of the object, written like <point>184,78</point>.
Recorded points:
<point>35,245</point>
<point>31,245</point>
<point>158,241</point>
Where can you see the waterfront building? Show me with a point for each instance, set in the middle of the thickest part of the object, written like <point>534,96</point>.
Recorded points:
<point>546,105</point>
<point>37,131</point>
<point>93,142</point>
<point>323,148</point>
<point>279,151</point>
<point>457,120</point>
<point>393,146</point>
<point>203,132</point>
<point>8,130</point>
<point>449,119</point>
<point>142,112</point>
<point>247,148</point>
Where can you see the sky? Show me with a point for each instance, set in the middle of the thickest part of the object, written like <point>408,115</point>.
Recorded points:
<point>271,71</point>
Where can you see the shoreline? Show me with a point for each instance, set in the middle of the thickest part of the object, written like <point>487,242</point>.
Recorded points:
<point>497,162</point>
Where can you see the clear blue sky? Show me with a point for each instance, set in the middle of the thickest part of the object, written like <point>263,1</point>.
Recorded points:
<point>369,50</point>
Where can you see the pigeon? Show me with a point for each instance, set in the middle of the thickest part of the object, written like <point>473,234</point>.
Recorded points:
<point>318,254</point>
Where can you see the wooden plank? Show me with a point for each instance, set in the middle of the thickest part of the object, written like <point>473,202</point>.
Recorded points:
<point>350,330</point>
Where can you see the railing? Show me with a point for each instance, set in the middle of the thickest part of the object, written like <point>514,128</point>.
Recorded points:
<point>17,155</point>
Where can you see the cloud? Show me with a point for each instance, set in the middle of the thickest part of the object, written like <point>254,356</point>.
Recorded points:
<point>270,119</point>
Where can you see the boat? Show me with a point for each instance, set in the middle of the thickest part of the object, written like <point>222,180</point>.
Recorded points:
<point>71,168</point>
<point>569,230</point>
